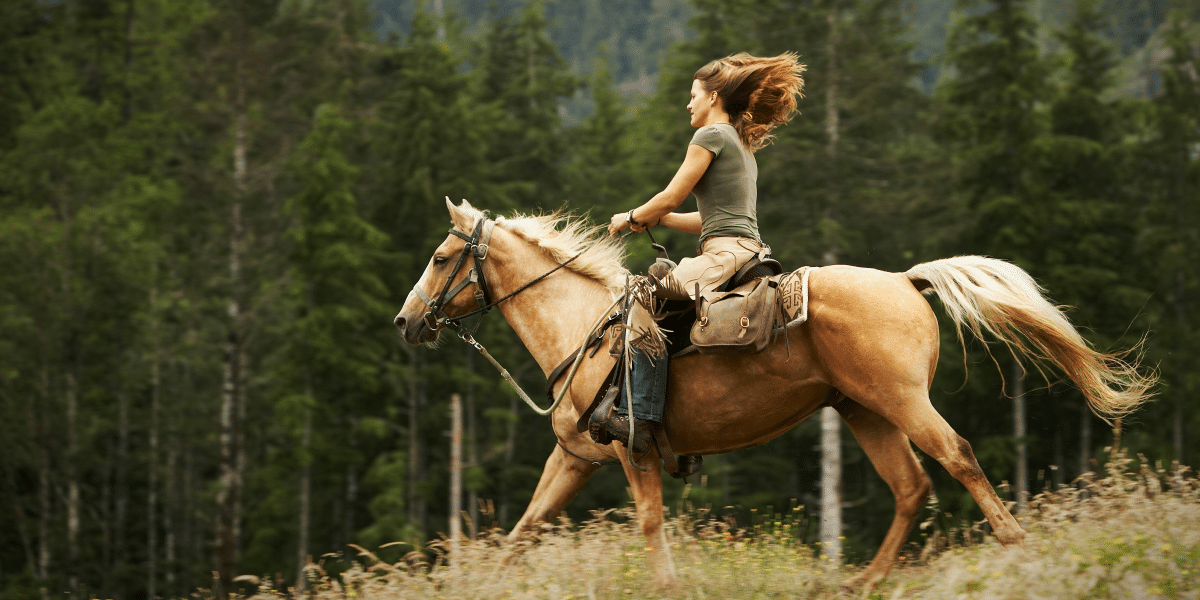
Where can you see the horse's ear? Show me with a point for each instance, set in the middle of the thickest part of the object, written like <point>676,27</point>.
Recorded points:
<point>463,219</point>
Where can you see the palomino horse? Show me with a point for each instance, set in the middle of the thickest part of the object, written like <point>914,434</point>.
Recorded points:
<point>869,349</point>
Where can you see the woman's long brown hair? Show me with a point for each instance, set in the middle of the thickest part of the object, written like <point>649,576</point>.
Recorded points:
<point>759,93</point>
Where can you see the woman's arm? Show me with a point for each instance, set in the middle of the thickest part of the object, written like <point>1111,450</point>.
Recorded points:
<point>665,202</point>
<point>685,222</point>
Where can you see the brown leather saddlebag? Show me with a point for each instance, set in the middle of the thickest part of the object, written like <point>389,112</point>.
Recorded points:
<point>737,321</point>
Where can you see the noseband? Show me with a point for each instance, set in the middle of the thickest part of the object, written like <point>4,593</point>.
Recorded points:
<point>476,247</point>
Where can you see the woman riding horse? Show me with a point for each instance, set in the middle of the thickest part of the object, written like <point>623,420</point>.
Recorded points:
<point>735,103</point>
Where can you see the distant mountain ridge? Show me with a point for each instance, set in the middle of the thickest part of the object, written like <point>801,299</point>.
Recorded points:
<point>638,34</point>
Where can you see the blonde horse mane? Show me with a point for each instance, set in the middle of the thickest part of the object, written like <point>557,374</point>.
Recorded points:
<point>562,235</point>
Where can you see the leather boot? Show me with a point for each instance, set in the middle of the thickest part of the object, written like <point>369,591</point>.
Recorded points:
<point>616,428</point>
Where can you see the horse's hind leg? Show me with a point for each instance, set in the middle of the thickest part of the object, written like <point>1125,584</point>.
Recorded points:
<point>897,464</point>
<point>916,417</point>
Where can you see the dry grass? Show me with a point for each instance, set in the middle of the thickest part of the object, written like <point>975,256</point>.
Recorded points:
<point>1129,534</point>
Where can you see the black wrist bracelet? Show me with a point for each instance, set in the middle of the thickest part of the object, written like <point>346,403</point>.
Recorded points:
<point>629,217</point>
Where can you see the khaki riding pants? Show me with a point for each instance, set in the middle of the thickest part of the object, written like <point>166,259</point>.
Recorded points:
<point>718,259</point>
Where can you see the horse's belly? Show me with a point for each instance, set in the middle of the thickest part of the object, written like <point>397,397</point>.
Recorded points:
<point>722,403</point>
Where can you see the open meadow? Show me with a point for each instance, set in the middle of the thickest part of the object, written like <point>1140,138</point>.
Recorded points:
<point>1131,532</point>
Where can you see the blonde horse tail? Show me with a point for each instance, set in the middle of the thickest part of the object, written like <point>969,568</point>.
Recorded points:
<point>986,294</point>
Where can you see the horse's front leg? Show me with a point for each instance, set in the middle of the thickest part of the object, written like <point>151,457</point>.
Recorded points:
<point>647,498</point>
<point>562,478</point>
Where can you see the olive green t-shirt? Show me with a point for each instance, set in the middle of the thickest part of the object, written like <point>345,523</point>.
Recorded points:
<point>727,193</point>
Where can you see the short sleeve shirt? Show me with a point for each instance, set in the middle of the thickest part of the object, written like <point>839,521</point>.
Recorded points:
<point>727,193</point>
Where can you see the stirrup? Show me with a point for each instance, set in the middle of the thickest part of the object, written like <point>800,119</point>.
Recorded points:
<point>687,466</point>
<point>598,423</point>
<point>606,428</point>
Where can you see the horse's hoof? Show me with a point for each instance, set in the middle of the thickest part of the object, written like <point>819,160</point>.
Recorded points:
<point>1014,538</point>
<point>861,583</point>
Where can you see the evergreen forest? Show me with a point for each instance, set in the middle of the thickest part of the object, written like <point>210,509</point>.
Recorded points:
<point>211,211</point>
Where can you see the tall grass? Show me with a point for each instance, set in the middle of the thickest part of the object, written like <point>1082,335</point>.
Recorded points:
<point>1130,533</point>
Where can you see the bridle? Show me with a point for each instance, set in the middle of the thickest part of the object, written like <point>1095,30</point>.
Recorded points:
<point>476,246</point>
<point>435,318</point>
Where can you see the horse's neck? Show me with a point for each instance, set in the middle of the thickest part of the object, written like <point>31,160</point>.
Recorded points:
<point>552,316</point>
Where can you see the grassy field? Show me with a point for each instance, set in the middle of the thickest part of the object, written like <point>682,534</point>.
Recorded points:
<point>1131,533</point>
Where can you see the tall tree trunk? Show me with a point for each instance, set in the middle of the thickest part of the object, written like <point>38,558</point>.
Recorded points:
<point>305,492</point>
<point>232,409</point>
<point>192,539</point>
<point>122,484</point>
<point>73,520</point>
<point>152,474</point>
<point>471,435</point>
<point>170,509</point>
<point>510,447</point>
<point>832,132</point>
<point>41,438</point>
<point>351,499</point>
<point>831,483</point>
<point>831,443</point>
<point>1021,471</point>
<point>416,504</point>
<point>439,12</point>
<point>456,444</point>
<point>107,518</point>
<point>1182,360</point>
<point>1056,474</point>
<point>1085,439</point>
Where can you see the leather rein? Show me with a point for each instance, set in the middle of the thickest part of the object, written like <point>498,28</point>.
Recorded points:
<point>435,318</point>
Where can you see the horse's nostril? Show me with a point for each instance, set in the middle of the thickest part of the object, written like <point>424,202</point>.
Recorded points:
<point>399,321</point>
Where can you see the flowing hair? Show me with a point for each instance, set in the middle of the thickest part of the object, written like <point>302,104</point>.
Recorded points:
<point>759,93</point>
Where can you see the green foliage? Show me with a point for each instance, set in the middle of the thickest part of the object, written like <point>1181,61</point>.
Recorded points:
<point>119,121</point>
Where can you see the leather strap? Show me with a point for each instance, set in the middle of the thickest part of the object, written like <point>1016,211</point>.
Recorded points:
<point>659,432</point>
<point>594,345</point>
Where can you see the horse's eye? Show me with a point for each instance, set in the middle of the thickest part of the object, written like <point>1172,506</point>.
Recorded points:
<point>439,260</point>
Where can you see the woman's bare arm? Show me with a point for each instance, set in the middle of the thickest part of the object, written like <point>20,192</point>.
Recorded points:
<point>665,202</point>
<point>685,222</point>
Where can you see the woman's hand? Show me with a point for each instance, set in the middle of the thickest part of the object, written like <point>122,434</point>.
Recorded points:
<point>620,221</point>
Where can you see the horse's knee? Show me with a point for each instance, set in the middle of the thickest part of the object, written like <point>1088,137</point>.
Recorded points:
<point>652,524</point>
<point>911,498</point>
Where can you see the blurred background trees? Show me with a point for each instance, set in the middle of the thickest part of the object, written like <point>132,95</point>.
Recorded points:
<point>210,211</point>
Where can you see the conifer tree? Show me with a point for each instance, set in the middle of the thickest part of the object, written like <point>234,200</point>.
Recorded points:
<point>1169,178</point>
<point>993,116</point>
<point>330,353</point>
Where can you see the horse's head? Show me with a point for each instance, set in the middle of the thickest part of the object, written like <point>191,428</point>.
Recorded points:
<point>454,268</point>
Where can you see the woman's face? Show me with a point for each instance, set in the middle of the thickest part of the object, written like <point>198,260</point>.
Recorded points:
<point>701,104</point>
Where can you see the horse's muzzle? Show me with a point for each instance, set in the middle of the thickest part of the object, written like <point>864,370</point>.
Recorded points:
<point>414,331</point>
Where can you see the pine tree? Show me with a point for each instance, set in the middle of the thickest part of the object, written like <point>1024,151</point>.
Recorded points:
<point>521,80</point>
<point>330,354</point>
<point>602,177</point>
<point>1168,180</point>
